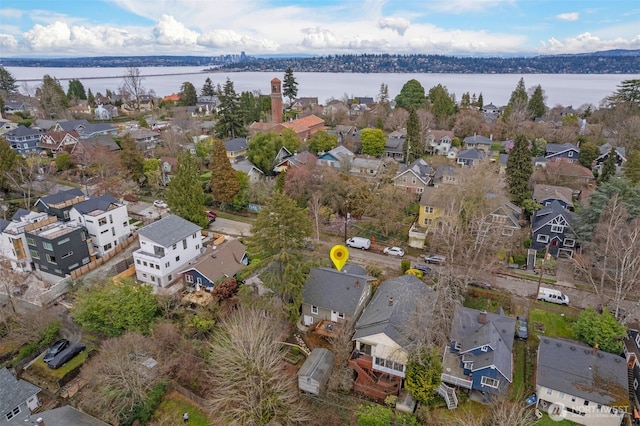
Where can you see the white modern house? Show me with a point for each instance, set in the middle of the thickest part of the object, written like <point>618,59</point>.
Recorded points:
<point>166,247</point>
<point>106,220</point>
<point>13,243</point>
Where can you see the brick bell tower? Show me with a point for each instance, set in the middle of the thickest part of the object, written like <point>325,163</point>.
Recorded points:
<point>276,100</point>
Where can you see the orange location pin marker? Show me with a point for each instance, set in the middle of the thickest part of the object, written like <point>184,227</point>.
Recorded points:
<point>339,255</point>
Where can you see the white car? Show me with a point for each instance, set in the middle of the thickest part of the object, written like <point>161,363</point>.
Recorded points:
<point>394,251</point>
<point>160,204</point>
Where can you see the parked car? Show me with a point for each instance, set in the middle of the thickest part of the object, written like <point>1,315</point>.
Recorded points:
<point>553,296</point>
<point>160,204</point>
<point>359,242</point>
<point>211,215</point>
<point>480,284</point>
<point>522,328</point>
<point>65,356</point>
<point>425,269</point>
<point>393,251</point>
<point>436,259</point>
<point>55,349</point>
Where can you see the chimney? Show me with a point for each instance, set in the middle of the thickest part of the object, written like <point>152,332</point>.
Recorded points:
<point>595,348</point>
<point>390,301</point>
<point>482,318</point>
<point>39,421</point>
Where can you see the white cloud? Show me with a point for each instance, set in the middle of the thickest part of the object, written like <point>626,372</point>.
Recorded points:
<point>398,25</point>
<point>168,31</point>
<point>463,6</point>
<point>586,42</point>
<point>571,16</point>
<point>8,43</point>
<point>226,39</point>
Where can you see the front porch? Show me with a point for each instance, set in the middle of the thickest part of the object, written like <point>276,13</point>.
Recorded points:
<point>452,372</point>
<point>374,384</point>
<point>417,236</point>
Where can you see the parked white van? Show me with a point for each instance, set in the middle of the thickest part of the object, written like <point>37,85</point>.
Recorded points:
<point>553,296</point>
<point>359,242</point>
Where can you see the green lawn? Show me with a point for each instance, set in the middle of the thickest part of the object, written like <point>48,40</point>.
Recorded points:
<point>488,300</point>
<point>547,421</point>
<point>519,365</point>
<point>557,322</point>
<point>173,406</point>
<point>40,368</point>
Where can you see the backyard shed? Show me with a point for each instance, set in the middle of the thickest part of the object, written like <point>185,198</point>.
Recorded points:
<point>314,373</point>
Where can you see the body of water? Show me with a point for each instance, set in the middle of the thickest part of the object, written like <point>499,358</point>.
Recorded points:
<point>560,89</point>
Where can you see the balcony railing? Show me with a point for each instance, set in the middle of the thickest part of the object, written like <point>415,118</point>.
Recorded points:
<point>456,381</point>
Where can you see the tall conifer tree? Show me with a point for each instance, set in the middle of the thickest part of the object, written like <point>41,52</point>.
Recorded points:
<point>519,170</point>
<point>185,195</point>
<point>224,181</point>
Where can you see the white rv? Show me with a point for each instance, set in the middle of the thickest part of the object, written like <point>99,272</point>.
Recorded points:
<point>553,296</point>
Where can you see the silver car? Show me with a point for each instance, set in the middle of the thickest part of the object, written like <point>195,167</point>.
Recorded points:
<point>436,259</point>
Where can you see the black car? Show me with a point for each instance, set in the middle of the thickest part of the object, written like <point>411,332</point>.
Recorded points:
<point>55,349</point>
<point>522,328</point>
<point>425,269</point>
<point>480,284</point>
<point>67,354</point>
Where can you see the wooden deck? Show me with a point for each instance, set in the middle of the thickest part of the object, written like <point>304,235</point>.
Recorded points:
<point>327,328</point>
<point>374,384</point>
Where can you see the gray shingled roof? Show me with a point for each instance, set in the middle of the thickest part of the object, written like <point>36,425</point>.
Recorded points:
<point>14,392</point>
<point>570,367</point>
<point>392,319</point>
<point>20,213</point>
<point>65,415</point>
<point>548,213</point>
<point>477,140</point>
<point>236,144</point>
<point>61,196</point>
<point>335,290</point>
<point>97,203</point>
<point>543,192</point>
<point>169,230</point>
<point>3,224</point>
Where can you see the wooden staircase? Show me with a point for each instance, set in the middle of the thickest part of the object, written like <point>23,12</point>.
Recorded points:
<point>363,374</point>
<point>449,395</point>
<point>630,379</point>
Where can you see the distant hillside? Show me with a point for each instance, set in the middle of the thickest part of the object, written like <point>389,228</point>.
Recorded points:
<point>607,62</point>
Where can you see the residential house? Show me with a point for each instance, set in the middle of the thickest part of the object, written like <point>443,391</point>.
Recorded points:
<point>18,398</point>
<point>384,336</point>
<point>13,242</point>
<point>106,112</point>
<point>335,296</point>
<point>217,263</point>
<point>568,111</point>
<point>447,175</point>
<point>605,151</point>
<point>479,356</point>
<point>303,103</point>
<point>478,142</point>
<point>85,129</point>
<point>174,97</point>
<point>339,157</point>
<point>60,203</point>
<point>146,139</point>
<point>207,104</point>
<point>7,126</point>
<point>79,110</point>
<point>367,167</point>
<point>439,141</point>
<point>106,221</point>
<point>504,221</point>
<point>248,168</point>
<point>166,247</point>
<point>299,159</point>
<point>429,212</point>
<point>415,177</point>
<point>632,355</point>
<point>490,109</point>
<point>167,167</point>
<point>87,151</point>
<point>557,151</point>
<point>452,154</point>
<point>552,226</point>
<point>23,140</point>
<point>55,142</point>
<point>58,248</point>
<point>14,107</point>
<point>236,149</point>
<point>546,194</point>
<point>305,127</point>
<point>64,415</point>
<point>394,147</point>
<point>581,384</point>
<point>470,157</point>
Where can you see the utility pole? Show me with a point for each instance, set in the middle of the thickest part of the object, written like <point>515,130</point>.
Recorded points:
<point>346,220</point>
<point>546,253</point>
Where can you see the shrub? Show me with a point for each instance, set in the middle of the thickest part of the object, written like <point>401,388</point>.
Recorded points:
<point>225,289</point>
<point>406,265</point>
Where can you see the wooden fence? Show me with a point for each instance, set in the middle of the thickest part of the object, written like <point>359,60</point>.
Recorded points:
<point>76,273</point>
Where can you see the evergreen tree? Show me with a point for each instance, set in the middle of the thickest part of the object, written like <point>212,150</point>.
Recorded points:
<point>188,94</point>
<point>480,102</point>
<point>465,102</point>
<point>600,329</point>
<point>250,107</point>
<point>278,235</point>
<point>322,142</point>
<point>412,143</point>
<point>224,181</point>
<point>91,100</point>
<point>423,374</point>
<point>632,166</point>
<point>53,100</point>
<point>536,105</point>
<point>383,99</point>
<point>131,158</point>
<point>289,86</point>
<point>588,152</point>
<point>443,105</point>
<point>185,195</point>
<point>76,91</point>
<point>608,167</point>
<point>8,162</point>
<point>207,88</point>
<point>518,102</point>
<point>628,93</point>
<point>230,122</point>
<point>373,142</point>
<point>412,95</point>
<point>7,81</point>
<point>519,170</point>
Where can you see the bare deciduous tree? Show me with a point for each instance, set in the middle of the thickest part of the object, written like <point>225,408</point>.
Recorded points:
<point>251,388</point>
<point>341,379</point>
<point>132,84</point>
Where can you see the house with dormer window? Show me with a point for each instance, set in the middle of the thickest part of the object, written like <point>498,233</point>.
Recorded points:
<point>559,151</point>
<point>218,263</point>
<point>479,356</point>
<point>55,142</point>
<point>23,140</point>
<point>552,226</point>
<point>415,177</point>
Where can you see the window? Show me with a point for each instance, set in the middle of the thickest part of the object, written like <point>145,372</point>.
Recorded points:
<point>110,219</point>
<point>169,278</point>
<point>193,236</point>
<point>74,266</point>
<point>158,251</point>
<point>485,348</point>
<point>457,346</point>
<point>184,244</point>
<point>199,280</point>
<point>188,278</point>
<point>428,221</point>
<point>166,265</point>
<point>157,266</point>
<point>153,279</point>
<point>557,228</point>
<point>124,224</point>
<point>145,263</point>
<point>64,256</point>
<point>177,258</point>
<point>570,153</point>
<point>47,246</point>
<point>65,214</point>
<point>85,260</point>
<point>107,247</point>
<point>102,221</point>
<point>144,275</point>
<point>113,232</point>
<point>573,399</point>
<point>542,238</point>
<point>104,231</point>
<point>11,414</point>
<point>428,209</point>
<point>138,261</point>
<point>314,310</point>
<point>561,395</point>
<point>586,403</point>
<point>34,254</point>
<point>341,315</point>
<point>66,240</point>
<point>51,259</point>
<point>549,391</point>
<point>31,241</point>
<point>488,381</point>
<point>175,246</point>
<point>637,339</point>
<point>568,242</point>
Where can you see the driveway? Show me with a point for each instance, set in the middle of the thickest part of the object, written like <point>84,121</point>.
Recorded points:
<point>231,227</point>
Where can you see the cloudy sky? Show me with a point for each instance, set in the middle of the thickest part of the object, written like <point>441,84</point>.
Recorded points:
<point>67,28</point>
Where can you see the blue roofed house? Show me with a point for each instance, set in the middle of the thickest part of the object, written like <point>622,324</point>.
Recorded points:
<point>335,296</point>
<point>217,263</point>
<point>581,384</point>
<point>479,356</point>
<point>470,157</point>
<point>478,142</point>
<point>558,151</point>
<point>546,194</point>
<point>23,140</point>
<point>60,203</point>
<point>339,157</point>
<point>385,335</point>
<point>18,398</point>
<point>605,151</point>
<point>415,177</point>
<point>552,226</point>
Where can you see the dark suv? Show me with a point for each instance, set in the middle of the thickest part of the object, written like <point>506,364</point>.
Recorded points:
<point>63,357</point>
<point>425,269</point>
<point>55,349</point>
